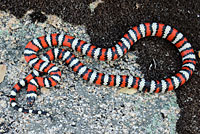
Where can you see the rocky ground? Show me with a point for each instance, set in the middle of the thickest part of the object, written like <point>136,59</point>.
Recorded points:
<point>80,107</point>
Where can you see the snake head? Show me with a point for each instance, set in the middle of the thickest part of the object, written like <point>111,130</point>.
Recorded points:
<point>31,97</point>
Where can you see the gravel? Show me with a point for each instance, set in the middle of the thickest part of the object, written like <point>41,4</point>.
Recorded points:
<point>76,105</point>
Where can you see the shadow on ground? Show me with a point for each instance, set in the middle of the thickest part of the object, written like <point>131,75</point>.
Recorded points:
<point>112,18</point>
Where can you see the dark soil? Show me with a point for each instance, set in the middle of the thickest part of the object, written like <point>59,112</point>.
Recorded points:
<point>111,19</point>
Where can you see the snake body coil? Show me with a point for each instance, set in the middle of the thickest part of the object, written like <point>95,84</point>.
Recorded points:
<point>34,80</point>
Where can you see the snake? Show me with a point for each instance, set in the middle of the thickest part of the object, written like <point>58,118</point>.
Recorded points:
<point>43,65</point>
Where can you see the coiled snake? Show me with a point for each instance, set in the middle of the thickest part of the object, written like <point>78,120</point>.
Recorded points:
<point>34,80</point>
